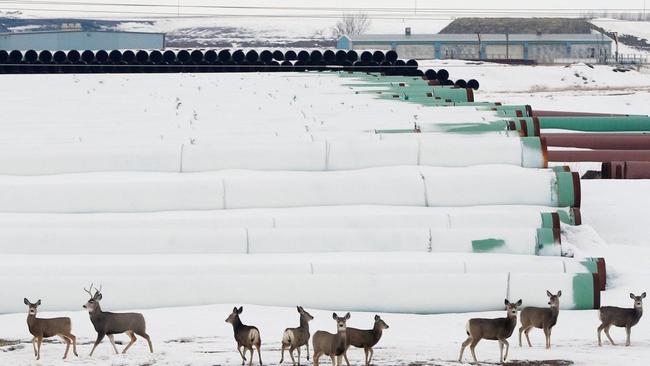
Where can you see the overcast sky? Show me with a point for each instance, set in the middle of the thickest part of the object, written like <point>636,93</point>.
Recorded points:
<point>100,8</point>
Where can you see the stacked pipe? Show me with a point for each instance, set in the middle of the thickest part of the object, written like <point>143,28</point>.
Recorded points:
<point>199,60</point>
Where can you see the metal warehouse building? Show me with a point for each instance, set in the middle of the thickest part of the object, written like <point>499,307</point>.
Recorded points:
<point>542,48</point>
<point>81,40</point>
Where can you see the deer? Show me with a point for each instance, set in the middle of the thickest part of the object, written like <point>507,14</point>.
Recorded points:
<point>294,338</point>
<point>332,345</point>
<point>246,336</point>
<point>543,318</point>
<point>109,324</point>
<point>365,339</point>
<point>499,329</point>
<point>620,317</point>
<point>45,328</point>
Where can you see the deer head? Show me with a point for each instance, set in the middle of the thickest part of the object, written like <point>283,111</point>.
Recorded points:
<point>304,314</point>
<point>92,303</point>
<point>234,315</point>
<point>341,321</point>
<point>511,307</point>
<point>554,300</point>
<point>638,300</point>
<point>379,323</point>
<point>32,307</point>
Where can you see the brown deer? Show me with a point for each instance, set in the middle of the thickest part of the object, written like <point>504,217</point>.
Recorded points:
<point>245,335</point>
<point>365,339</point>
<point>499,329</point>
<point>332,345</point>
<point>45,328</point>
<point>543,318</point>
<point>621,317</point>
<point>294,338</point>
<point>109,324</point>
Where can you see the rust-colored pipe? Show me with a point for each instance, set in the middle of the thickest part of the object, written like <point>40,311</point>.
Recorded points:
<point>626,170</point>
<point>598,155</point>
<point>606,141</point>
<point>536,113</point>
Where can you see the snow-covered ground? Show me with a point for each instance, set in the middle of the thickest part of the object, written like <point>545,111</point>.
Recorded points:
<point>198,335</point>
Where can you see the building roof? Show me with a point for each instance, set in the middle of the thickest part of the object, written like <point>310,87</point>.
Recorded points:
<point>593,37</point>
<point>63,31</point>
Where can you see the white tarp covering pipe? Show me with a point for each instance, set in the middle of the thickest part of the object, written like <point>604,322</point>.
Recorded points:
<point>410,149</point>
<point>166,240</point>
<point>160,281</point>
<point>397,186</point>
<point>304,217</point>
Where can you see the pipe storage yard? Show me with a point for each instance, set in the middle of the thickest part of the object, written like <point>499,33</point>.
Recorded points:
<point>343,172</point>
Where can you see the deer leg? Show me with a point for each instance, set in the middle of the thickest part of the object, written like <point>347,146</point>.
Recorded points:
<point>333,360</point>
<point>100,336</point>
<point>73,339</point>
<point>527,337</point>
<point>282,354</point>
<point>259,353</point>
<point>505,341</point>
<point>133,339</point>
<point>345,355</point>
<point>38,347</point>
<point>500,351</point>
<point>34,345</point>
<point>250,361</point>
<point>608,336</point>
<point>462,348</point>
<point>547,336</point>
<point>600,329</point>
<point>365,351</point>
<point>298,355</point>
<point>372,353</point>
<point>239,347</point>
<point>293,360</point>
<point>628,330</point>
<point>307,350</point>
<point>521,330</point>
<point>146,338</point>
<point>112,339</point>
<point>67,346</point>
<point>339,360</point>
<point>316,357</point>
<point>471,348</point>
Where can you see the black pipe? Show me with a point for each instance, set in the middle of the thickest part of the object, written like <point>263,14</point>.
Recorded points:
<point>431,74</point>
<point>378,56</point>
<point>128,56</point>
<point>210,56</point>
<point>303,56</point>
<point>74,56</point>
<point>45,56</point>
<point>352,56</point>
<point>169,57</point>
<point>286,66</point>
<point>101,56</point>
<point>252,56</point>
<point>461,83</point>
<point>4,56</point>
<point>472,83</point>
<point>391,56</point>
<point>156,57</point>
<point>315,57</point>
<point>278,55</point>
<point>59,57</point>
<point>239,56</point>
<point>443,75</point>
<point>225,56</point>
<point>196,56</point>
<point>341,57</point>
<point>290,55</point>
<point>266,56</point>
<point>142,57</point>
<point>115,56</point>
<point>447,82</point>
<point>31,56</point>
<point>300,66</point>
<point>15,57</point>
<point>88,56</point>
<point>399,67</point>
<point>329,57</point>
<point>183,56</point>
<point>366,57</point>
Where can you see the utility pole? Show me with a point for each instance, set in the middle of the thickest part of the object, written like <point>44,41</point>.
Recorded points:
<point>478,35</point>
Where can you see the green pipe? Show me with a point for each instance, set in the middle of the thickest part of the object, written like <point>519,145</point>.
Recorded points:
<point>597,124</point>
<point>568,189</point>
<point>586,291</point>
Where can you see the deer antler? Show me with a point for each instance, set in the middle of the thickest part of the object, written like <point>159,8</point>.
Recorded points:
<point>89,291</point>
<point>98,291</point>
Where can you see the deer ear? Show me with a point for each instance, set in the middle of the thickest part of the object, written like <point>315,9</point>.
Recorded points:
<point>334,316</point>
<point>38,303</point>
<point>519,302</point>
<point>631,295</point>
<point>26,301</point>
<point>241,310</point>
<point>643,295</point>
<point>559,293</point>
<point>347,316</point>
<point>234,310</point>
<point>506,301</point>
<point>548,293</point>
<point>376,317</point>
<point>99,297</point>
<point>298,308</point>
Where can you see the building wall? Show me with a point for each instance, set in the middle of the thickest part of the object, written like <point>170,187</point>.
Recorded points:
<point>81,41</point>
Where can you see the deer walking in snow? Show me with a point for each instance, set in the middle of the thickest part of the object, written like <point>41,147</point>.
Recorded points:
<point>499,329</point>
<point>294,338</point>
<point>109,324</point>
<point>620,317</point>
<point>543,318</point>
<point>45,328</point>
<point>246,336</point>
<point>332,345</point>
<point>365,339</point>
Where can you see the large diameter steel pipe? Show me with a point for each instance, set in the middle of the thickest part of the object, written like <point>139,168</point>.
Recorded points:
<point>598,155</point>
<point>596,124</point>
<point>537,113</point>
<point>599,141</point>
<point>626,170</point>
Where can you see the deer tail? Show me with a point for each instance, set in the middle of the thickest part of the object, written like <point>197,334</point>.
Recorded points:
<point>254,336</point>
<point>287,337</point>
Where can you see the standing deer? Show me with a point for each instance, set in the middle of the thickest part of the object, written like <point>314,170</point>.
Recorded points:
<point>45,328</point>
<point>245,335</point>
<point>621,317</point>
<point>499,329</point>
<point>294,338</point>
<point>365,339</point>
<point>108,324</point>
<point>543,318</point>
<point>332,345</point>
